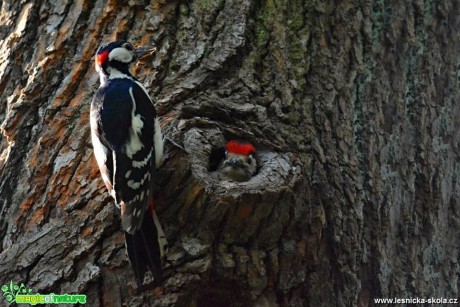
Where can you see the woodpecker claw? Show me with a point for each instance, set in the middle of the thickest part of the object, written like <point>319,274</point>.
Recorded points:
<point>174,143</point>
<point>158,291</point>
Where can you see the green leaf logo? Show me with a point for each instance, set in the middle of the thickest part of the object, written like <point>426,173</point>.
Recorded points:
<point>10,292</point>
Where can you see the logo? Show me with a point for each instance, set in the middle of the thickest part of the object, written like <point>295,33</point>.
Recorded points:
<point>22,295</point>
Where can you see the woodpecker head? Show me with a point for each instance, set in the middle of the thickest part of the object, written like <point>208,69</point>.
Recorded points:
<point>117,56</point>
<point>239,163</point>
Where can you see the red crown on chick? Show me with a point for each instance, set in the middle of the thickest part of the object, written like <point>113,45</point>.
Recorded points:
<point>238,148</point>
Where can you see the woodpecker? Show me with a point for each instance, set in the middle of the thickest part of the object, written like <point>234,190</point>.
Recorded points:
<point>239,163</point>
<point>128,146</point>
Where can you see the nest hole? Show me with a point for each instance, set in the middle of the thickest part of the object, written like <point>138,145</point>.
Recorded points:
<point>206,148</point>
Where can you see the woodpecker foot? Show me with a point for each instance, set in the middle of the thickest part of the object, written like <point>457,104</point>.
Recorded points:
<point>158,291</point>
<point>174,143</point>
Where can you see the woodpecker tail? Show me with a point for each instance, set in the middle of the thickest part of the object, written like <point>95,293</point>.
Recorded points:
<point>146,248</point>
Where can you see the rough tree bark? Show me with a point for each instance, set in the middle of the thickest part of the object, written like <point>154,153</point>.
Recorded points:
<point>352,105</point>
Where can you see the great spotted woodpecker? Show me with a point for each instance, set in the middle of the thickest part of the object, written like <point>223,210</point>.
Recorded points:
<point>239,163</point>
<point>128,145</point>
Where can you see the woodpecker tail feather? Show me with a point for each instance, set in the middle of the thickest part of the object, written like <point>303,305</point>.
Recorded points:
<point>162,242</point>
<point>145,250</point>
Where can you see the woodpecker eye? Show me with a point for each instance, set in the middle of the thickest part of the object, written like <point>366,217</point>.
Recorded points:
<point>128,46</point>
<point>250,159</point>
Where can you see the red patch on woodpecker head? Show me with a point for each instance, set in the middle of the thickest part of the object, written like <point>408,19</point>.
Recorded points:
<point>102,58</point>
<point>238,148</point>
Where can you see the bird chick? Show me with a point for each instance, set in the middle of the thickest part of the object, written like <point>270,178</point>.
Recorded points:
<point>239,163</point>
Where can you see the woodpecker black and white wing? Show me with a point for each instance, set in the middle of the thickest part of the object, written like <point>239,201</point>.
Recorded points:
<point>133,191</point>
<point>126,128</point>
<point>139,92</point>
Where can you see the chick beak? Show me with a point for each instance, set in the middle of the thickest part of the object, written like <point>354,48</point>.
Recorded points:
<point>145,50</point>
<point>234,162</point>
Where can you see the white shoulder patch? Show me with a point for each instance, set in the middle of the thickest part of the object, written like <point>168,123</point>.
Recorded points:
<point>158,136</point>
<point>134,144</point>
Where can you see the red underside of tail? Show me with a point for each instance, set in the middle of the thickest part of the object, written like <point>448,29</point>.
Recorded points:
<point>151,207</point>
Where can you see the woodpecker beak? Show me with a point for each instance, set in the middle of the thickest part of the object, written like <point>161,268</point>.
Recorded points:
<point>142,51</point>
<point>234,163</point>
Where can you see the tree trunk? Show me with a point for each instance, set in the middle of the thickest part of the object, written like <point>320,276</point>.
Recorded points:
<point>352,105</point>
